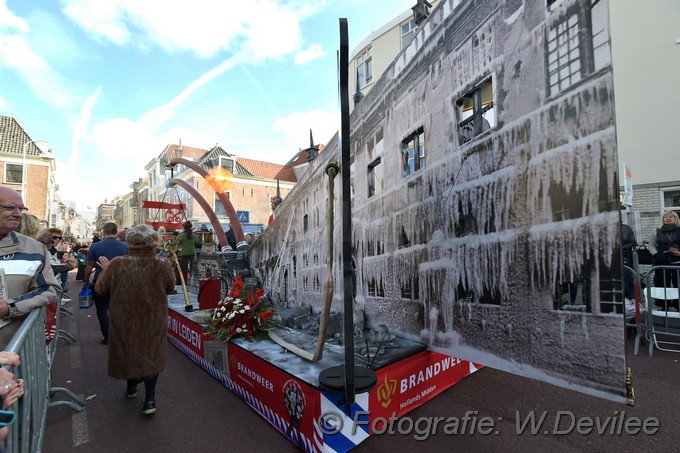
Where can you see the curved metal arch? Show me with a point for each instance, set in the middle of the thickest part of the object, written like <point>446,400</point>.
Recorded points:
<point>214,221</point>
<point>233,218</point>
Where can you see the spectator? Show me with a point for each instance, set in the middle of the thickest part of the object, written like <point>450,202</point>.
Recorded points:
<point>58,266</point>
<point>122,235</point>
<point>139,312</point>
<point>58,252</point>
<point>668,254</point>
<point>29,277</point>
<point>109,247</point>
<point>30,226</point>
<point>81,256</point>
<point>628,243</point>
<point>11,390</point>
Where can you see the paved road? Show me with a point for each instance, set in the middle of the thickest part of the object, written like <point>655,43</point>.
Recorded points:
<point>196,413</point>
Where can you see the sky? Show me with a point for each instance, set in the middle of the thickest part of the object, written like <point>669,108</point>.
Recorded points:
<point>108,84</point>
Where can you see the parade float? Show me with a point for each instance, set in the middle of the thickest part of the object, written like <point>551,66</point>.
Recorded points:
<point>466,213</point>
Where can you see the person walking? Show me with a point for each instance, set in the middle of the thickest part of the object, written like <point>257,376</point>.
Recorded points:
<point>110,248</point>
<point>137,286</point>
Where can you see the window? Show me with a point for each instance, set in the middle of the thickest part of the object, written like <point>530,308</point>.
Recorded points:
<point>375,177</point>
<point>564,53</point>
<point>573,296</point>
<point>408,30</point>
<point>577,44</point>
<point>475,112</point>
<point>365,68</point>
<point>305,223</point>
<point>671,200</point>
<point>220,210</point>
<point>553,4</point>
<point>14,173</point>
<point>413,152</point>
<point>376,289</point>
<point>227,164</point>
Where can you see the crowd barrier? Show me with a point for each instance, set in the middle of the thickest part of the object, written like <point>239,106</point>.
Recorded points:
<point>662,320</point>
<point>27,432</point>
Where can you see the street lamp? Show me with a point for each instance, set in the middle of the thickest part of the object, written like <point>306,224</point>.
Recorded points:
<point>24,176</point>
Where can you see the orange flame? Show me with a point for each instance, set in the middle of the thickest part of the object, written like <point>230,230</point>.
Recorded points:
<point>219,179</point>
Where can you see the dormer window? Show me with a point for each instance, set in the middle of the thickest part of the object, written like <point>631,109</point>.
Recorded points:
<point>227,163</point>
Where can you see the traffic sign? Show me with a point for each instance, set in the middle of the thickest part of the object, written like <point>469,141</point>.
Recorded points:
<point>243,216</point>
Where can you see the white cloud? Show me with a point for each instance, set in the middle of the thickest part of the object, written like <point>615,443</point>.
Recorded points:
<point>205,27</point>
<point>9,20</point>
<point>311,53</point>
<point>16,53</point>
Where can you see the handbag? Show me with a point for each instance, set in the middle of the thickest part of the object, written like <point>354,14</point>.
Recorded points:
<point>85,296</point>
<point>644,255</point>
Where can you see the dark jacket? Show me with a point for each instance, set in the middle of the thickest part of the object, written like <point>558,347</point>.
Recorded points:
<point>666,237</point>
<point>137,285</point>
<point>628,242</point>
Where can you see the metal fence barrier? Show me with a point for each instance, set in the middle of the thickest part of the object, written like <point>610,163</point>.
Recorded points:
<point>27,432</point>
<point>663,308</point>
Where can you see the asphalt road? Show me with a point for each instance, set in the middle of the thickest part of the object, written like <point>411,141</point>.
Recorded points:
<point>196,413</point>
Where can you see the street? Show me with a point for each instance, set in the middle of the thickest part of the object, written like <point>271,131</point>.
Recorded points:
<point>197,413</point>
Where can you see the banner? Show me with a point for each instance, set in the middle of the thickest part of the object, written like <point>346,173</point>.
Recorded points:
<point>409,383</point>
<point>162,205</point>
<point>627,185</point>
<point>186,332</point>
<point>287,402</point>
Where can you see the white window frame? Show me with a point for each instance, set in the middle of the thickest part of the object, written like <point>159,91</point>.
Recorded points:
<point>662,200</point>
<point>364,64</point>
<point>21,169</point>
<point>413,152</point>
<point>408,31</point>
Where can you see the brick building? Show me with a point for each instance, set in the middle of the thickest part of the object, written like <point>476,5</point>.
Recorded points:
<point>27,168</point>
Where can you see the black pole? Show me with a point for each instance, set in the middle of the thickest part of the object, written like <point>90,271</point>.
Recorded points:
<point>346,217</point>
<point>347,378</point>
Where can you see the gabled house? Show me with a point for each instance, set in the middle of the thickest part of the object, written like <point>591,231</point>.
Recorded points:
<point>28,169</point>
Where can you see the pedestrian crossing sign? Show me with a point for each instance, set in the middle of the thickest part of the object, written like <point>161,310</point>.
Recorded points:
<point>243,216</point>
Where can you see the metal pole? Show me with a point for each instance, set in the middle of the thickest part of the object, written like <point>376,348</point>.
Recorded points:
<point>347,273</point>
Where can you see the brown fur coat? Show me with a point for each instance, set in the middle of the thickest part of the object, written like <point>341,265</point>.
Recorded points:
<point>137,285</point>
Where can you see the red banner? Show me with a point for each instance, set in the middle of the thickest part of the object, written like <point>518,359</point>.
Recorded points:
<point>162,205</point>
<point>291,399</point>
<point>169,226</point>
<point>407,384</point>
<point>188,332</point>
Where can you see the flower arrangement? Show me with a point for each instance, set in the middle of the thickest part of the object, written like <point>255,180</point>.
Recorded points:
<point>241,314</point>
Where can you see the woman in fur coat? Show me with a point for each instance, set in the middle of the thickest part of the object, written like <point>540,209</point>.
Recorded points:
<point>137,285</point>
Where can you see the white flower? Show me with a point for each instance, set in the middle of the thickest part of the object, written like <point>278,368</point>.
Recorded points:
<point>239,330</point>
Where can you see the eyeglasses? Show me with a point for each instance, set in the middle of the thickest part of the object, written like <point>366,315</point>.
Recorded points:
<point>57,238</point>
<point>9,207</point>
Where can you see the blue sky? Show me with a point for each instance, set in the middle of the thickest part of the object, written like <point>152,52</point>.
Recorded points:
<point>109,83</point>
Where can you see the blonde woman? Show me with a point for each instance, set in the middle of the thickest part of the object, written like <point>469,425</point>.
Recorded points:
<point>668,254</point>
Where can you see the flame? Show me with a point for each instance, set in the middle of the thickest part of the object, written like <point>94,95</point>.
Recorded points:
<point>219,179</point>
